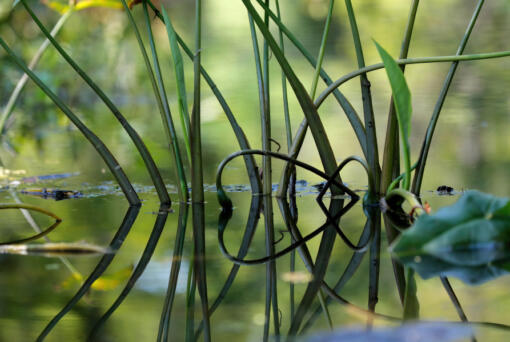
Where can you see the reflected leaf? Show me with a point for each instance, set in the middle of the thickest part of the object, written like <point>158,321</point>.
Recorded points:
<point>103,283</point>
<point>468,240</point>
<point>54,249</point>
<point>416,332</point>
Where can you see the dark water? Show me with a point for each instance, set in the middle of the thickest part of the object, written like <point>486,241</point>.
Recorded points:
<point>470,151</point>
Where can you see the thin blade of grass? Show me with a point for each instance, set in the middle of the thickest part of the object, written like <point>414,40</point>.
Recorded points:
<point>11,102</point>
<point>180,79</point>
<point>166,314</point>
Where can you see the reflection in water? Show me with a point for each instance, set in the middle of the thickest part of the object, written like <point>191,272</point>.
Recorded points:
<point>115,244</point>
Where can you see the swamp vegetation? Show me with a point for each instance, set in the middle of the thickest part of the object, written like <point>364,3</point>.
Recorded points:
<point>253,170</point>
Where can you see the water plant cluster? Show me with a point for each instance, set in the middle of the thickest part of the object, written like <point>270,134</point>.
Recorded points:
<point>391,203</point>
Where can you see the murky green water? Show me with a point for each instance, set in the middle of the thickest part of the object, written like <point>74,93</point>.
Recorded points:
<point>470,151</point>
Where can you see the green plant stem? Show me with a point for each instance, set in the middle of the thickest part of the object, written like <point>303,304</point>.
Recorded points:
<point>288,126</point>
<point>418,177</point>
<point>418,60</point>
<point>300,134</point>
<point>322,49</point>
<point>159,184</point>
<point>166,114</point>
<point>288,131</point>
<point>197,184</point>
<point>391,160</point>
<point>239,133</point>
<point>11,103</point>
<point>373,162</point>
<point>100,147</point>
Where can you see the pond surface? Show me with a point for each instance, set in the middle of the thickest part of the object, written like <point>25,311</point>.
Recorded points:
<point>470,151</point>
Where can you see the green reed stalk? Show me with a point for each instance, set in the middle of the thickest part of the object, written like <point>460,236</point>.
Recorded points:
<point>191,288</point>
<point>239,133</point>
<point>182,189</point>
<point>166,114</point>
<point>318,131</point>
<point>262,79</point>
<point>288,126</point>
<point>391,155</point>
<point>165,321</point>
<point>197,179</point>
<point>11,103</point>
<point>418,177</point>
<point>288,131</point>
<point>135,137</point>
<point>327,158</point>
<point>349,110</point>
<point>373,162</point>
<point>99,146</point>
<point>347,107</point>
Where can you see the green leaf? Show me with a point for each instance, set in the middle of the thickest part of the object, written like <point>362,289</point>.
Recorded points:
<point>179,75</point>
<point>402,100</point>
<point>469,239</point>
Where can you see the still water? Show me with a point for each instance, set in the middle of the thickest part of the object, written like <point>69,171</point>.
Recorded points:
<point>470,151</point>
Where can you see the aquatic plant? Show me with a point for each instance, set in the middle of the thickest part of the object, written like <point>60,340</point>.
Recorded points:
<point>387,189</point>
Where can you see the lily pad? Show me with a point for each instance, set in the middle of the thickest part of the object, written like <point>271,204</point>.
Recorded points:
<point>469,240</point>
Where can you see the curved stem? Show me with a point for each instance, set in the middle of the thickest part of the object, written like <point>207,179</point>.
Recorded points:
<point>419,60</point>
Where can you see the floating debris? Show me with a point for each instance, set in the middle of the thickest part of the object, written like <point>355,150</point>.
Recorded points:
<point>445,190</point>
<point>55,194</point>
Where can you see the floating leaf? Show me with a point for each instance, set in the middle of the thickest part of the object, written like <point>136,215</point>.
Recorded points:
<point>469,240</point>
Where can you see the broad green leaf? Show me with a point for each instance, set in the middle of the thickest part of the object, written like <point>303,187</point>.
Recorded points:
<point>402,100</point>
<point>401,92</point>
<point>469,239</point>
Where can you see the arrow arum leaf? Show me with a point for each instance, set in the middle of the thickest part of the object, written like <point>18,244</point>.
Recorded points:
<point>469,240</point>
